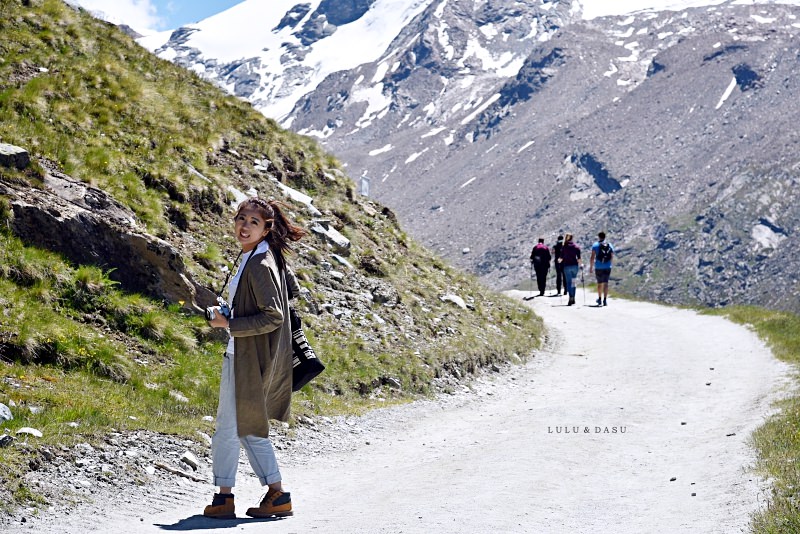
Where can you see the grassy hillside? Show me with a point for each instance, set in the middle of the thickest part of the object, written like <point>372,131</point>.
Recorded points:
<point>80,356</point>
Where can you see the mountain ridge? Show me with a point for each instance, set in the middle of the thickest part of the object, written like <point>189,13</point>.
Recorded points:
<point>487,125</point>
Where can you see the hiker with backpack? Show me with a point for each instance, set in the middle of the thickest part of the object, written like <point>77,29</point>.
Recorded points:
<point>559,267</point>
<point>571,260</point>
<point>540,260</point>
<point>602,256</point>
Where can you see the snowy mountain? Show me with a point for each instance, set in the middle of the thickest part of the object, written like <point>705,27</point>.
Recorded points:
<point>272,53</point>
<point>669,124</point>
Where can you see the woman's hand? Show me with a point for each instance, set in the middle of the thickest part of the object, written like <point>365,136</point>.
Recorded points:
<point>219,320</point>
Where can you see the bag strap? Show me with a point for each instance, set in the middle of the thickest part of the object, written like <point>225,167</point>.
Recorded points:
<point>228,276</point>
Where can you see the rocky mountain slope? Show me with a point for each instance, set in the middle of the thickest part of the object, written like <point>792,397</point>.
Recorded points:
<point>486,125</point>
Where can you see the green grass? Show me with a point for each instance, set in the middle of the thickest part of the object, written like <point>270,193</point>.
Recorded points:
<point>778,440</point>
<point>63,363</point>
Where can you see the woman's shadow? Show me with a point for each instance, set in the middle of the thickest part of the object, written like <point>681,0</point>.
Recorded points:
<point>201,522</point>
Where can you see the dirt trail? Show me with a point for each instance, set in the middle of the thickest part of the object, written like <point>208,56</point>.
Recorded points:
<point>634,420</point>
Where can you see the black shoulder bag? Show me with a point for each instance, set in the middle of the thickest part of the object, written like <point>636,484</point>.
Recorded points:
<point>305,363</point>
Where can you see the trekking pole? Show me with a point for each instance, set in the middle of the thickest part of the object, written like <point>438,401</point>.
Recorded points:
<point>532,274</point>
<point>583,283</point>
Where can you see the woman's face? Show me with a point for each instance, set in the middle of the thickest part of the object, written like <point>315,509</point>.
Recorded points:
<point>250,228</point>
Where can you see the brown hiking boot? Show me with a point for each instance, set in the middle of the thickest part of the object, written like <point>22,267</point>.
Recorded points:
<point>221,507</point>
<point>274,504</point>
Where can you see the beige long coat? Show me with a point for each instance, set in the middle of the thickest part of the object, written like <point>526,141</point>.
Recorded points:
<point>262,346</point>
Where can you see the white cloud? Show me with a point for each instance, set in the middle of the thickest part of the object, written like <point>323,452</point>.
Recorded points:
<point>141,15</point>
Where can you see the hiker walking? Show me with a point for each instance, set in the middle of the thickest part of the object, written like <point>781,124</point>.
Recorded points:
<point>571,260</point>
<point>258,387</point>
<point>540,260</point>
<point>602,256</point>
<point>559,266</point>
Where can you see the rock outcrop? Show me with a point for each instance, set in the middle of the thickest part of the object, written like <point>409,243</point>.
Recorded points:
<point>88,226</point>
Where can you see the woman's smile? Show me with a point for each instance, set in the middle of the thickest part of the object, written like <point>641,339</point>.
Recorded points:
<point>251,228</point>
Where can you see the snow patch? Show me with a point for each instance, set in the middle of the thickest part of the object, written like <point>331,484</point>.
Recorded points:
<point>494,98</point>
<point>505,66</point>
<point>488,30</point>
<point>415,155</point>
<point>444,40</point>
<point>593,9</point>
<point>727,93</point>
<point>766,237</point>
<point>523,147</point>
<point>763,20</point>
<point>429,109</point>
<point>324,134</point>
<point>380,72</point>
<point>625,34</point>
<point>381,150</point>
<point>534,30</point>
<point>634,50</point>
<point>376,103</point>
<point>433,132</point>
<point>440,9</point>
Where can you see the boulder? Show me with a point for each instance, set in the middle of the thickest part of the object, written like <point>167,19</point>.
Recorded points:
<point>5,413</point>
<point>322,228</point>
<point>14,156</point>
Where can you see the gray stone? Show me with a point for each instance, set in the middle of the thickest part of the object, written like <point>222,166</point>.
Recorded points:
<point>393,383</point>
<point>178,396</point>
<point>384,293</point>
<point>455,299</point>
<point>30,431</point>
<point>332,236</point>
<point>342,261</point>
<point>191,460</point>
<point>5,413</point>
<point>14,156</point>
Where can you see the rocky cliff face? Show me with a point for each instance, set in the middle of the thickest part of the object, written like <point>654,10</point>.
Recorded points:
<point>486,125</point>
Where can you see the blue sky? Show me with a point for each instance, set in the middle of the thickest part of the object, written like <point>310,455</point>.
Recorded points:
<point>148,16</point>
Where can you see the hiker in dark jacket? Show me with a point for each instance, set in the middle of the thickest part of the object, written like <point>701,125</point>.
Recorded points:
<point>571,260</point>
<point>540,260</point>
<point>559,267</point>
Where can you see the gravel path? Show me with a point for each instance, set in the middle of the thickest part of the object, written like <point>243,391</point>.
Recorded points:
<point>635,418</point>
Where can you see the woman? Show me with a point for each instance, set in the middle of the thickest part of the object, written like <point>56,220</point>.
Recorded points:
<point>571,260</point>
<point>258,387</point>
